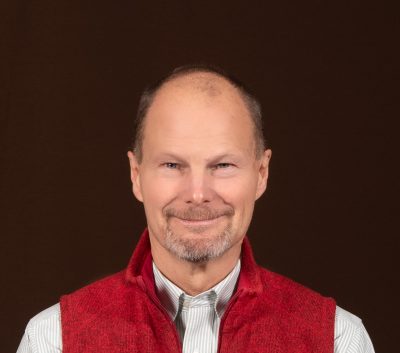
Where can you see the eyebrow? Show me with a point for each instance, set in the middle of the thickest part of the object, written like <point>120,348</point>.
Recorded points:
<point>221,156</point>
<point>212,159</point>
<point>169,156</point>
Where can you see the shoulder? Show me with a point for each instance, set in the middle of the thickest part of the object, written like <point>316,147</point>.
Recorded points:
<point>277,282</point>
<point>97,291</point>
<point>107,296</point>
<point>44,330</point>
<point>294,296</point>
<point>48,315</point>
<point>347,319</point>
<point>350,333</point>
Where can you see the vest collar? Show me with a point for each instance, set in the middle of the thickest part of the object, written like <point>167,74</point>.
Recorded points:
<point>140,267</point>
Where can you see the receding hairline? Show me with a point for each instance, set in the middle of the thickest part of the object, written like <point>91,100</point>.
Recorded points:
<point>211,81</point>
<point>207,82</point>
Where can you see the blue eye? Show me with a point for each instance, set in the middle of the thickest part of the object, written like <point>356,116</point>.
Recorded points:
<point>171,165</point>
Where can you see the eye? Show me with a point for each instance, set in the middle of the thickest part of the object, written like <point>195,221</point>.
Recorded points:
<point>223,165</point>
<point>171,165</point>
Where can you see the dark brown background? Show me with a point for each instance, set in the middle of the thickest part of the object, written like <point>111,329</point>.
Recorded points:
<point>72,72</point>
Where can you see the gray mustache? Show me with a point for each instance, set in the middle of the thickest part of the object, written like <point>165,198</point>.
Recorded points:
<point>198,213</point>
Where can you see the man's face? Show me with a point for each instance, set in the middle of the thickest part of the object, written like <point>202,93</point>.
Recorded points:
<point>199,176</point>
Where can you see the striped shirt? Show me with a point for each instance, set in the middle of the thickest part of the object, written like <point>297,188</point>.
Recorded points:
<point>197,320</point>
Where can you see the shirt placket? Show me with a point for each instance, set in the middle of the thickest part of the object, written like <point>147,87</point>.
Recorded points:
<point>199,319</point>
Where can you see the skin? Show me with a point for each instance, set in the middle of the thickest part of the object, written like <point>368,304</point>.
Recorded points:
<point>199,176</point>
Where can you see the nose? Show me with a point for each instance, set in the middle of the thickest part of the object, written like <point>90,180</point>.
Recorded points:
<point>198,189</point>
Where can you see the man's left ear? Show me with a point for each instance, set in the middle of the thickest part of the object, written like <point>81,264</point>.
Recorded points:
<point>263,172</point>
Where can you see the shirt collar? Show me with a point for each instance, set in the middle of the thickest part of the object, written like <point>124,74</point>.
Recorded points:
<point>173,298</point>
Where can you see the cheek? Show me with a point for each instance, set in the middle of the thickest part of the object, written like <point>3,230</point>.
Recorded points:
<point>241,196</point>
<point>156,193</point>
<point>240,193</point>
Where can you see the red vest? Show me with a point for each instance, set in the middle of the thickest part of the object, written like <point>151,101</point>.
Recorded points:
<point>267,314</point>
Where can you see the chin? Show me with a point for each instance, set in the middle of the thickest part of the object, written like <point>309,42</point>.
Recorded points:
<point>198,249</point>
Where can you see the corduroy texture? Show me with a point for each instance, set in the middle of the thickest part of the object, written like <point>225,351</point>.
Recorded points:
<point>268,314</point>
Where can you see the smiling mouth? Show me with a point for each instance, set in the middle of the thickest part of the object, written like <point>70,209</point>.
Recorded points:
<point>198,222</point>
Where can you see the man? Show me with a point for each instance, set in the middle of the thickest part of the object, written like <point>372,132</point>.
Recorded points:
<point>199,163</point>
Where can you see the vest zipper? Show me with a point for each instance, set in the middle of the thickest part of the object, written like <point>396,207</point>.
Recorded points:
<point>166,315</point>
<point>223,319</point>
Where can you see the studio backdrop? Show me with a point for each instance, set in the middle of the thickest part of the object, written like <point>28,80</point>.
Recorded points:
<point>72,73</point>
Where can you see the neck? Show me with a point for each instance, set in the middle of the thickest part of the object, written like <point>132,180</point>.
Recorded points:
<point>194,278</point>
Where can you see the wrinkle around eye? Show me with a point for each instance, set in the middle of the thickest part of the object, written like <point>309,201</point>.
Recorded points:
<point>224,170</point>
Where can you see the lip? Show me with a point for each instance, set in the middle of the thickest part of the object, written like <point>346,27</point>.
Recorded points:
<point>197,223</point>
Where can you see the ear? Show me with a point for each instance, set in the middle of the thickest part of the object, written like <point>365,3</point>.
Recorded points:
<point>135,176</point>
<point>263,172</point>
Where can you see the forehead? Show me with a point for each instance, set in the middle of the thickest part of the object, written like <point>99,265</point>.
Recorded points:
<point>198,112</point>
<point>207,83</point>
